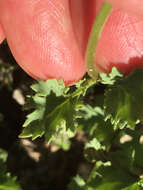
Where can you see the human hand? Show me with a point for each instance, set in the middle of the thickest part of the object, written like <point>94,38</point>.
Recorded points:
<point>45,39</point>
<point>121,41</point>
<point>48,38</point>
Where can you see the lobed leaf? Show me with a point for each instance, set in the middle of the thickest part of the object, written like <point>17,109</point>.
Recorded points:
<point>123,100</point>
<point>92,122</point>
<point>7,181</point>
<point>105,176</point>
<point>55,110</point>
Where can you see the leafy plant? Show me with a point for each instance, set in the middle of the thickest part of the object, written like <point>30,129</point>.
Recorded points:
<point>112,122</point>
<point>59,110</point>
<point>7,181</point>
<point>113,145</point>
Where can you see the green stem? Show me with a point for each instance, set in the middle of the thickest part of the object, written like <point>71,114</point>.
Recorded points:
<point>82,90</point>
<point>94,37</point>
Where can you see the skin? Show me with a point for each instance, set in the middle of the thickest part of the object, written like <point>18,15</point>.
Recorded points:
<point>121,43</point>
<point>2,36</point>
<point>83,14</point>
<point>41,37</point>
<point>129,6</point>
<point>49,38</point>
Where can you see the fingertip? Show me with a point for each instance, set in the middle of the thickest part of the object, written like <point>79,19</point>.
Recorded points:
<point>41,37</point>
<point>2,36</point>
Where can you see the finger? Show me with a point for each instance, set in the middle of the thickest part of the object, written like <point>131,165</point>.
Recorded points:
<point>83,15</point>
<point>120,43</point>
<point>130,6</point>
<point>2,36</point>
<point>41,38</point>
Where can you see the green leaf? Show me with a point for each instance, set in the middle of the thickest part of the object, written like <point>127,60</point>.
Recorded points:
<point>92,121</point>
<point>134,186</point>
<point>49,118</point>
<point>35,129</point>
<point>140,183</point>
<point>94,143</point>
<point>129,154</point>
<point>62,138</point>
<point>10,184</point>
<point>63,113</point>
<point>45,88</point>
<point>123,101</point>
<point>77,183</point>
<point>105,176</point>
<point>110,78</point>
<point>94,37</point>
<point>54,111</point>
<point>3,155</point>
<point>7,182</point>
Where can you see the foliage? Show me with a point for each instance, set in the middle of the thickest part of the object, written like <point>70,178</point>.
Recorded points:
<point>111,122</point>
<point>105,176</point>
<point>113,126</point>
<point>7,182</point>
<point>55,110</point>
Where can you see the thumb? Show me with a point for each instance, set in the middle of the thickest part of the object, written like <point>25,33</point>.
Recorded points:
<point>120,43</point>
<point>131,6</point>
<point>41,38</point>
